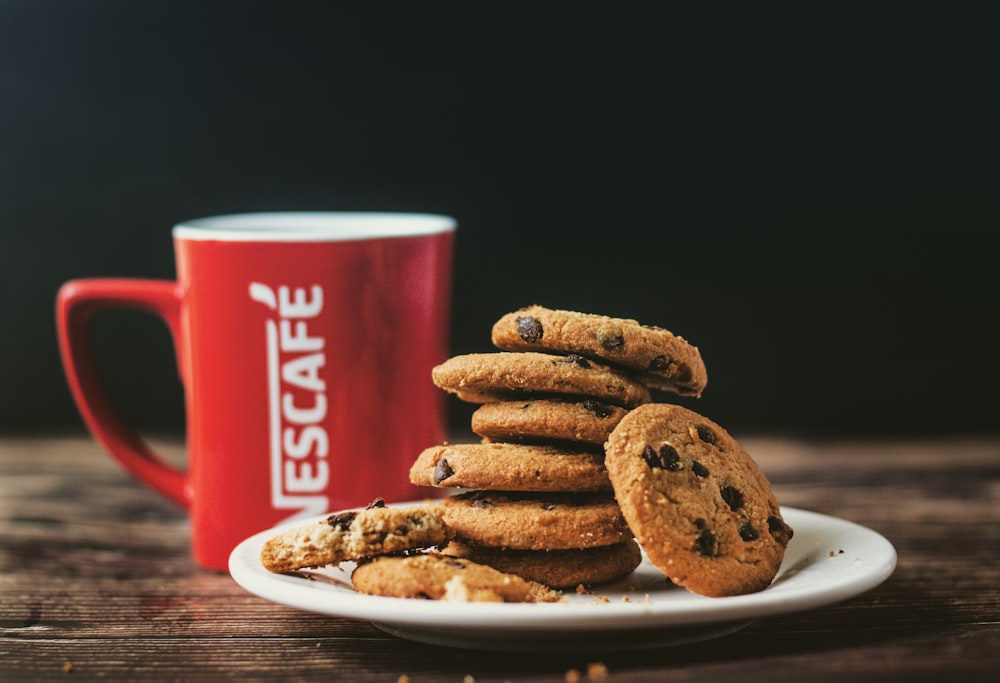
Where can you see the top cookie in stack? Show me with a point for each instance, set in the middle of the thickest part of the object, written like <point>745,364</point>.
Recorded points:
<point>542,504</point>
<point>657,357</point>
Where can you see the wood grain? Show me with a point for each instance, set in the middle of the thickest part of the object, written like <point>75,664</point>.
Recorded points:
<point>95,576</point>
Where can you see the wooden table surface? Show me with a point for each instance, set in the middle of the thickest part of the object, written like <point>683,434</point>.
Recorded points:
<point>96,583</point>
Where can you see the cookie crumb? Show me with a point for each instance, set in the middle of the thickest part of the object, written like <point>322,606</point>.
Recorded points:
<point>403,678</point>
<point>468,679</point>
<point>68,667</point>
<point>597,671</point>
<point>572,676</point>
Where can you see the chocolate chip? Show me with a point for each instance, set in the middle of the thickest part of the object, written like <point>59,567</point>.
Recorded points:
<point>733,498</point>
<point>706,543</point>
<point>442,470</point>
<point>748,533</point>
<point>777,526</point>
<point>341,520</point>
<point>610,338</point>
<point>529,329</point>
<point>377,503</point>
<point>577,359</point>
<point>454,562</point>
<point>480,502</point>
<point>706,434</point>
<point>666,458</point>
<point>597,408</point>
<point>779,529</point>
<point>699,469</point>
<point>659,364</point>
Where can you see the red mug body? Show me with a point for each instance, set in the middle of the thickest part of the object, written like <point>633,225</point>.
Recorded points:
<point>305,344</point>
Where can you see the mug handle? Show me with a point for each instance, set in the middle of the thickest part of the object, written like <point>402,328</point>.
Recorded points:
<point>76,304</point>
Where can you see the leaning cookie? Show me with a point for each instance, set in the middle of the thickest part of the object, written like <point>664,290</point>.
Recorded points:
<point>662,359</point>
<point>355,534</point>
<point>585,422</point>
<point>510,467</point>
<point>433,576</point>
<point>557,568</point>
<point>535,521</point>
<point>697,502</point>
<point>488,377</point>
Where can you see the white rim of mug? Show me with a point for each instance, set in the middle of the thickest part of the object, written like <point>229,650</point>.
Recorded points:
<point>313,226</point>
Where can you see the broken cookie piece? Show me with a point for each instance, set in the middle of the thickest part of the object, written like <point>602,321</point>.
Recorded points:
<point>434,576</point>
<point>354,535</point>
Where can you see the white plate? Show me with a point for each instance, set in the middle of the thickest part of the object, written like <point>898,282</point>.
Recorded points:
<point>828,560</point>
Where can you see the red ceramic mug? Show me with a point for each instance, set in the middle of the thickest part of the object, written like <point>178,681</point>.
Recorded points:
<point>305,343</point>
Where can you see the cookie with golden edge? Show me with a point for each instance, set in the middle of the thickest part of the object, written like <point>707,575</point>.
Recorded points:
<point>557,568</point>
<point>660,358</point>
<point>510,467</point>
<point>584,422</point>
<point>535,521</point>
<point>696,501</point>
<point>489,377</point>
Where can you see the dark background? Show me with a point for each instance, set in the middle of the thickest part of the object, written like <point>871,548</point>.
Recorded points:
<point>806,193</point>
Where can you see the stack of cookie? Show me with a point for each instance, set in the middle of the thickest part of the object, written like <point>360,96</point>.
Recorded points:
<point>540,502</point>
<point>575,467</point>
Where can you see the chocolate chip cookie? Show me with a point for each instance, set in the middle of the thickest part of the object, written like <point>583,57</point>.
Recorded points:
<point>532,421</point>
<point>489,377</point>
<point>660,358</point>
<point>433,576</point>
<point>355,534</point>
<point>557,568</point>
<point>697,502</point>
<point>510,467</point>
<point>537,521</point>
